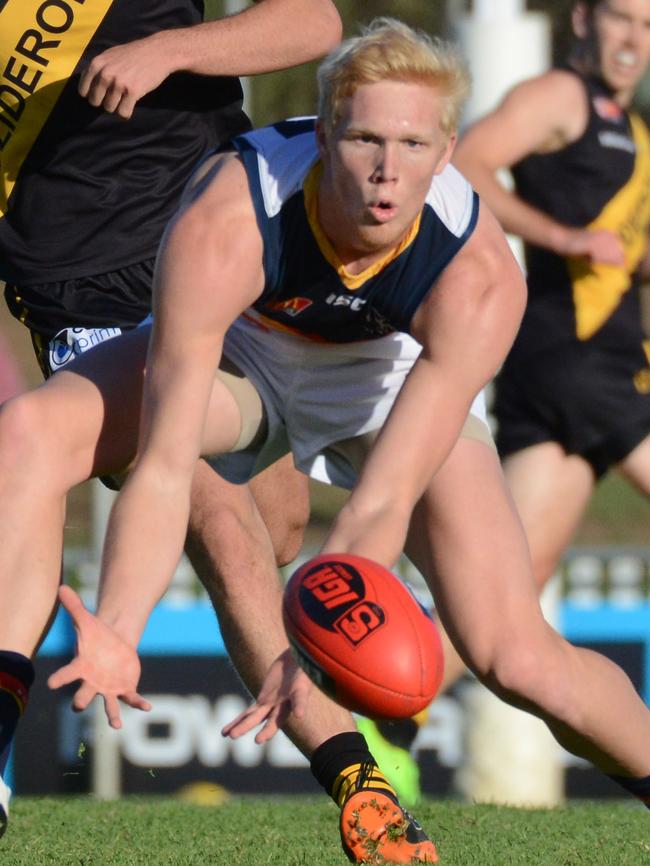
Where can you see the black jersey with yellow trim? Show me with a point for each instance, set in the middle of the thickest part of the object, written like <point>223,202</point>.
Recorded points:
<point>307,289</point>
<point>82,191</point>
<point>599,181</point>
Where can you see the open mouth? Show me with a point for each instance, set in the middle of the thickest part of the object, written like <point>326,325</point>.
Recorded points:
<point>383,210</point>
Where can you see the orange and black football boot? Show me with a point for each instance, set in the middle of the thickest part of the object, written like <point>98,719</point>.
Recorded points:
<point>376,830</point>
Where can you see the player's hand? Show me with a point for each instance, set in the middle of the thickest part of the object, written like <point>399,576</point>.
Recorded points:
<point>285,690</point>
<point>118,77</point>
<point>600,247</point>
<point>104,663</point>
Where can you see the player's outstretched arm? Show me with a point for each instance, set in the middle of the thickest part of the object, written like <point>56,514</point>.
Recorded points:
<point>209,270</point>
<point>539,116</point>
<point>104,664</point>
<point>271,35</point>
<point>466,326</point>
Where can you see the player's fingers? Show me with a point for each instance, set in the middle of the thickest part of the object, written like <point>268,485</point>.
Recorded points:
<point>85,81</point>
<point>246,721</point>
<point>72,603</point>
<point>112,98</point>
<point>127,105</point>
<point>271,726</point>
<point>83,697</point>
<point>98,88</point>
<point>63,677</point>
<point>133,699</point>
<point>112,710</point>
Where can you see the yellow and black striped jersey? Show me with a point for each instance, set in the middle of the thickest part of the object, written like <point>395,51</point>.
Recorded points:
<point>82,191</point>
<point>600,181</point>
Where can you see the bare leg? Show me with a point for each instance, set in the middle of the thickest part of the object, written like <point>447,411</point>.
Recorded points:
<point>84,422</point>
<point>230,548</point>
<point>282,496</point>
<point>636,466</point>
<point>539,478</point>
<point>469,540</point>
<point>51,439</point>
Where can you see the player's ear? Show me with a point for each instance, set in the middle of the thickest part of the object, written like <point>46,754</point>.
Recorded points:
<point>447,153</point>
<point>579,20</point>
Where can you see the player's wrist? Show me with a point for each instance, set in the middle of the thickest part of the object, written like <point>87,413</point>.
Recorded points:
<point>561,239</point>
<point>122,623</point>
<point>172,49</point>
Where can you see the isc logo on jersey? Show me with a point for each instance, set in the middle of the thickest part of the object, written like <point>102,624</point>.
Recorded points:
<point>335,300</point>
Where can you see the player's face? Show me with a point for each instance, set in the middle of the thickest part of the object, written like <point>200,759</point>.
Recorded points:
<point>378,164</point>
<point>620,30</point>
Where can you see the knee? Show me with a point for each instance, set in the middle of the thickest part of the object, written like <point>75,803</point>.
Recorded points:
<point>527,672</point>
<point>287,537</point>
<point>25,440</point>
<point>282,498</point>
<point>228,548</point>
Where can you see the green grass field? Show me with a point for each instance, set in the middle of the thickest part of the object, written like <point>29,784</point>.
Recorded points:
<point>251,831</point>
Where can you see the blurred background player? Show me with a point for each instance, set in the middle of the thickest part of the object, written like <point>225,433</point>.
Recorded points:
<point>573,397</point>
<point>98,140</point>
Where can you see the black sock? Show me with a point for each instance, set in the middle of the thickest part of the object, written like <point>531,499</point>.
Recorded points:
<point>638,787</point>
<point>343,764</point>
<point>400,733</point>
<point>16,677</point>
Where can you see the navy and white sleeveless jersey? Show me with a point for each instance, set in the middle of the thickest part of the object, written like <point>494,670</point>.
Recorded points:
<point>84,192</point>
<point>599,181</point>
<point>307,289</point>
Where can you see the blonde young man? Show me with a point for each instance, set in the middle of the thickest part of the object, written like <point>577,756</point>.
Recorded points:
<point>573,399</point>
<point>350,275</point>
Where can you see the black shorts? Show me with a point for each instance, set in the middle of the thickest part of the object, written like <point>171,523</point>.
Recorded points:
<point>67,338</point>
<point>68,318</point>
<point>593,403</point>
<point>116,300</point>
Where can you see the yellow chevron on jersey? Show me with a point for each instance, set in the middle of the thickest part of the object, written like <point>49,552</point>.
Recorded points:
<point>598,288</point>
<point>350,281</point>
<point>641,378</point>
<point>43,49</point>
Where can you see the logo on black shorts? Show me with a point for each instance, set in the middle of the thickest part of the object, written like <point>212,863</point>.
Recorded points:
<point>71,342</point>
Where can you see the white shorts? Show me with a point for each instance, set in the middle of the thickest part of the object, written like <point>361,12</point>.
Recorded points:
<point>316,395</point>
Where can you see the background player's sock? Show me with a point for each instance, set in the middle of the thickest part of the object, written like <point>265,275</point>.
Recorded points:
<point>16,678</point>
<point>389,743</point>
<point>343,764</point>
<point>639,787</point>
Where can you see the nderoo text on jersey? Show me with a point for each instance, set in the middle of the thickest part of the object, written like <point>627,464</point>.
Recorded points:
<point>40,33</point>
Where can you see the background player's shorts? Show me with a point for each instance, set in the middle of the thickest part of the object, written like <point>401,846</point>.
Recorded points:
<point>316,395</point>
<point>595,404</point>
<point>69,317</point>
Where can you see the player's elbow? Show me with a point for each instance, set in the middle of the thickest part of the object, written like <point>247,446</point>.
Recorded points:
<point>326,25</point>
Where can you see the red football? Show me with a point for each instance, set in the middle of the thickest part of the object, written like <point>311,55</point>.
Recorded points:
<point>362,637</point>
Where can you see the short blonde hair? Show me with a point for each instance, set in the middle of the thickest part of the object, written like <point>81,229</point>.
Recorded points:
<point>390,50</point>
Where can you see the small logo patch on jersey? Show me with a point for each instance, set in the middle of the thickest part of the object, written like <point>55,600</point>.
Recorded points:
<point>353,303</point>
<point>292,307</point>
<point>607,108</point>
<point>616,140</point>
